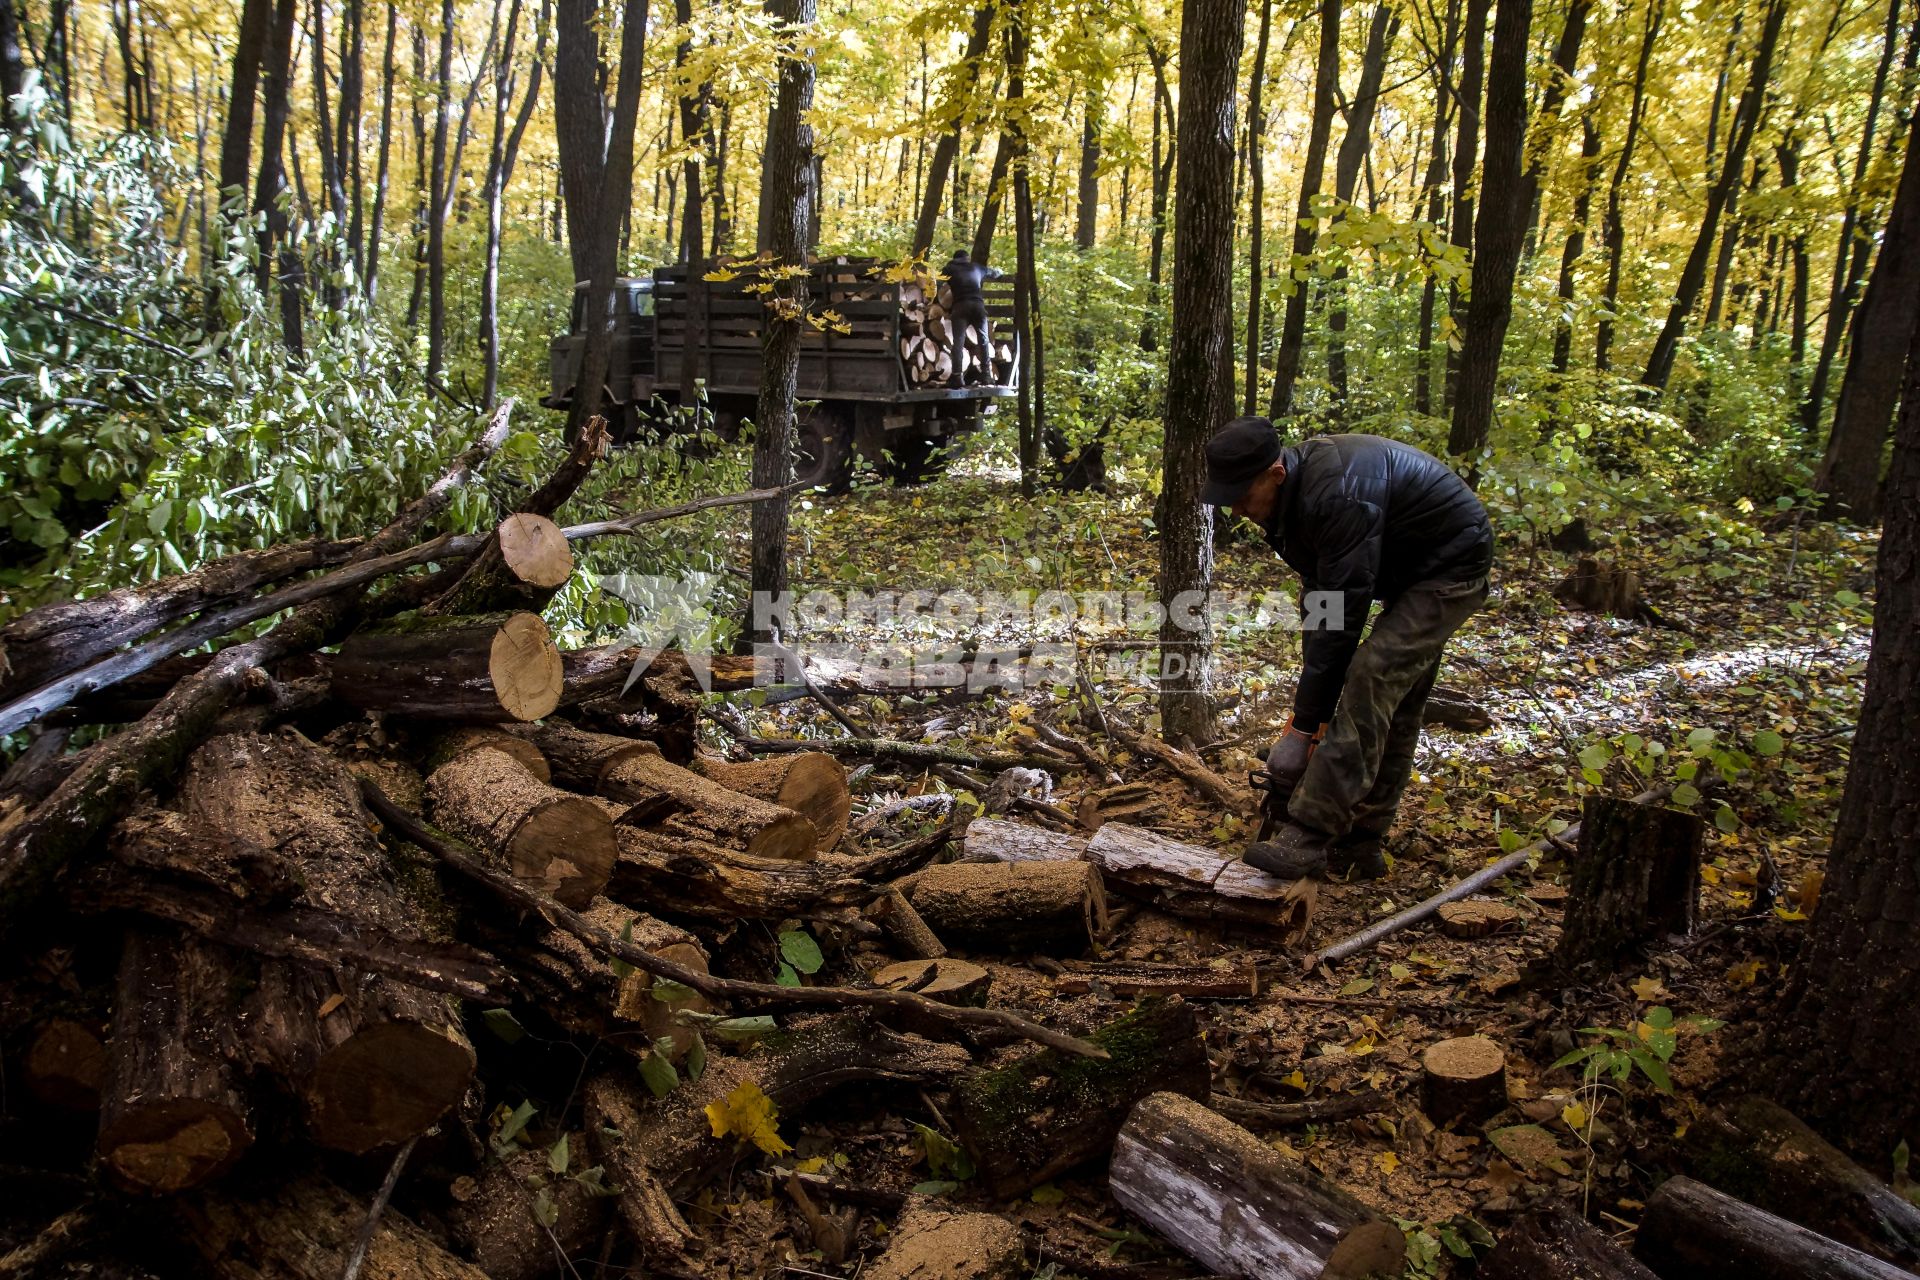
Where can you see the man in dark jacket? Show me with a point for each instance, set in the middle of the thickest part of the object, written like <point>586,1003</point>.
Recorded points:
<point>1363,519</point>
<point>964,278</point>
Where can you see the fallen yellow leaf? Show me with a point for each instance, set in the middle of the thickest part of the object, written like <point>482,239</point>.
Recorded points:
<point>749,1114</point>
<point>1387,1161</point>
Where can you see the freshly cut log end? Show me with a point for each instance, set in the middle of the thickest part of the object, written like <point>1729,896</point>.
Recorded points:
<point>948,981</point>
<point>535,551</point>
<point>695,808</point>
<point>66,1064</point>
<point>1691,1230</point>
<point>457,742</point>
<point>1477,918</point>
<point>389,1078</point>
<point>1237,1206</point>
<point>1013,906</point>
<point>490,667</point>
<point>1466,1079</point>
<point>1559,1245</point>
<point>168,1145</point>
<point>811,783</point>
<point>560,843</point>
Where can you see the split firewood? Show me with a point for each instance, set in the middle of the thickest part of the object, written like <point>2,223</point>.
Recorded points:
<point>1635,878</point>
<point>1221,980</point>
<point>66,1064</point>
<point>657,1151</point>
<point>494,1221</point>
<point>677,802</point>
<point>1013,906</point>
<point>813,784</point>
<point>373,1061</point>
<point>489,667</point>
<point>1048,1112</point>
<point>908,929</point>
<point>304,1230</point>
<point>1556,1243</point>
<point>1199,884</point>
<point>1691,1230</point>
<point>522,567</point>
<point>172,1111</point>
<point>949,981</point>
<point>1465,1078</point>
<point>1477,918</point>
<point>1761,1152</point>
<point>556,841</point>
<point>1237,1206</point>
<point>930,1243</point>
<point>457,742</point>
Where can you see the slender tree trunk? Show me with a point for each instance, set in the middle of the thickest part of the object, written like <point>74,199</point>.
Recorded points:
<point>376,226</point>
<point>347,145</point>
<point>1466,152</point>
<point>1845,1039</point>
<point>1293,331</point>
<point>787,177</point>
<point>270,190</point>
<point>1436,208</point>
<point>1501,226</point>
<point>1614,232</point>
<point>1354,146</point>
<point>722,212</point>
<point>1882,330</point>
<point>13,65</point>
<point>580,127</point>
<point>500,165</point>
<point>332,160</point>
<point>236,146</point>
<point>1850,255</point>
<point>1018,43</point>
<point>1200,353</point>
<point>956,107</point>
<point>438,186</point>
<point>1746,119</point>
<point>1256,203</point>
<point>1729,244</point>
<point>1566,60</point>
<point>990,209</point>
<point>1087,210</point>
<point>694,107</point>
<point>1576,241</point>
<point>423,198</point>
<point>1163,166</point>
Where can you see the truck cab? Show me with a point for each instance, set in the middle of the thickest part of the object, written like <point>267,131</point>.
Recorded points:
<point>878,384</point>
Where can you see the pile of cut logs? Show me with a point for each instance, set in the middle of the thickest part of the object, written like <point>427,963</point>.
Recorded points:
<point>927,339</point>
<point>298,944</point>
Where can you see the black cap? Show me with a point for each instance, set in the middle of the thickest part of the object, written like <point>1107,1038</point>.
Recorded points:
<point>1236,456</point>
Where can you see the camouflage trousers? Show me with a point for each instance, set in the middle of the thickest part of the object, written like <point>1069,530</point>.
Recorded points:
<point>1353,783</point>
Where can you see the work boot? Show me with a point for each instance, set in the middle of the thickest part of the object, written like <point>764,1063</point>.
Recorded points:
<point>1357,857</point>
<point>1294,853</point>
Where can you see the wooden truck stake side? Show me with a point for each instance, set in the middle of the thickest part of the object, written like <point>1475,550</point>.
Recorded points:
<point>882,391</point>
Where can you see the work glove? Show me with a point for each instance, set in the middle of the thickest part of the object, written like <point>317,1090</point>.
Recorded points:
<point>1287,761</point>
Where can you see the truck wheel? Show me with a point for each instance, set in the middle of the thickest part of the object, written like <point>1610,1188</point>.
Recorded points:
<point>915,459</point>
<point>823,451</point>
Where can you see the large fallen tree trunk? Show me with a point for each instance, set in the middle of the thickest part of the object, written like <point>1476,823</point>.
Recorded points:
<point>1555,1243</point>
<point>373,1061</point>
<point>558,842</point>
<point>496,666</point>
<point>1049,1112</point>
<point>658,1151</point>
<point>1691,1230</point>
<point>117,770</point>
<point>1058,907</point>
<point>1237,1206</point>
<point>304,1230</point>
<point>1764,1154</point>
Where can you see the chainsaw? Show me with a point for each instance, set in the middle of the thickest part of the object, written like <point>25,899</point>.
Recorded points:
<point>1274,795</point>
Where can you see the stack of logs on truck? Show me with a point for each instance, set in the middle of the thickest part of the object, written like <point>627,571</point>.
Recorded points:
<point>340,900</point>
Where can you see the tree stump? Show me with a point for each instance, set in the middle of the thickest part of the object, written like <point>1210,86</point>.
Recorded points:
<point>1691,1230</point>
<point>1238,1207</point>
<point>560,843</point>
<point>1013,906</point>
<point>1050,1111</point>
<point>680,803</point>
<point>490,668</point>
<point>1763,1154</point>
<point>1466,1079</point>
<point>1554,1243</point>
<point>1635,877</point>
<point>811,783</point>
<point>1476,918</point>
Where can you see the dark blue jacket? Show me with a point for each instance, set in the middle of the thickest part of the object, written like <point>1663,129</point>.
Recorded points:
<point>1368,517</point>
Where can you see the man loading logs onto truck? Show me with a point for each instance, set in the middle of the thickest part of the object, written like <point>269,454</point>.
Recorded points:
<point>969,310</point>
<point>1369,519</point>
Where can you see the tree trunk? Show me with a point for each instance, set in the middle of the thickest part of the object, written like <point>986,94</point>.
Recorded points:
<point>1293,332</point>
<point>1162,167</point>
<point>489,667</point>
<point>1237,1206</point>
<point>1049,1112</point>
<point>1499,228</point>
<point>1846,1038</point>
<point>1087,207</point>
<point>1576,242</point>
<point>253,43</point>
<point>1051,907</point>
<point>956,107</point>
<point>1691,1230</point>
<point>1200,365</point>
<point>561,844</point>
<point>1614,232</point>
<point>1693,275</point>
<point>377,220</point>
<point>521,567</point>
<point>500,165</point>
<point>1466,151</point>
<point>1436,209</point>
<point>270,189</point>
<point>1256,204</point>
<point>812,784</point>
<point>1354,146</point>
<point>1555,1243</point>
<point>1566,60</point>
<point>1636,879</point>
<point>679,803</point>
<point>1883,330</point>
<point>438,184</point>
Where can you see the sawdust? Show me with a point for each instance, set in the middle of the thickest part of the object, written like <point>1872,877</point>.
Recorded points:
<point>932,1244</point>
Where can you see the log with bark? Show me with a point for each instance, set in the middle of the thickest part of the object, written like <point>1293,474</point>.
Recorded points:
<point>304,1229</point>
<point>1198,884</point>
<point>1555,1243</point>
<point>1635,879</point>
<point>813,784</point>
<point>558,842</point>
<point>1058,907</point>
<point>65,1064</point>
<point>1762,1153</point>
<point>495,1222</point>
<point>459,741</point>
<point>1221,980</point>
<point>706,882</point>
<point>373,1061</point>
<point>1048,1112</point>
<point>486,667</point>
<point>678,803</point>
<point>656,1151</point>
<point>522,566</point>
<point>1237,1206</point>
<point>577,757</point>
<point>1691,1230</point>
<point>906,927</point>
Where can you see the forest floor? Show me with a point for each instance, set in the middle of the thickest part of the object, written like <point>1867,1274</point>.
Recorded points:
<point>1758,692</point>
